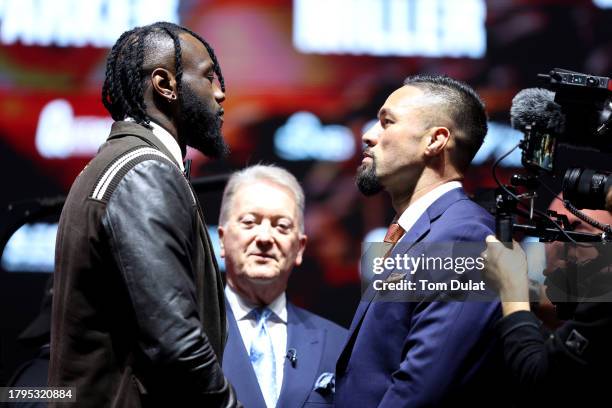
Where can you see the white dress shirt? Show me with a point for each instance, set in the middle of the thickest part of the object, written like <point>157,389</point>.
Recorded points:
<point>167,140</point>
<point>416,209</point>
<point>276,324</point>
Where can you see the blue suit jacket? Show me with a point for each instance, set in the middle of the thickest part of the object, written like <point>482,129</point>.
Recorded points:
<point>409,354</point>
<point>318,343</point>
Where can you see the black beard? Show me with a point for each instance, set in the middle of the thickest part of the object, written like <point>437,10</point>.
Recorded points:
<point>366,180</point>
<point>200,127</point>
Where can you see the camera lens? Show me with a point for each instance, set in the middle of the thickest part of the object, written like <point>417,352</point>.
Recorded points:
<point>586,188</point>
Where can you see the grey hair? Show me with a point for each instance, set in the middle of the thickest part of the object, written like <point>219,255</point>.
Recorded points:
<point>262,172</point>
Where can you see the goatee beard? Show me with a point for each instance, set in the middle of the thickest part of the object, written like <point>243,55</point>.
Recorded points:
<point>366,180</point>
<point>200,127</point>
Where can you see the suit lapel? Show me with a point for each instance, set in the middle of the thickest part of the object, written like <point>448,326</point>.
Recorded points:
<point>411,238</point>
<point>417,233</point>
<point>308,343</point>
<point>238,368</point>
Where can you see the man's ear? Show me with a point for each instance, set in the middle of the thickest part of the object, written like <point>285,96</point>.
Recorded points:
<point>302,246</point>
<point>221,232</point>
<point>437,141</point>
<point>164,84</point>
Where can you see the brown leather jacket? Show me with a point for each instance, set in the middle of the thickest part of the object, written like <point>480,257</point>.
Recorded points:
<point>138,310</point>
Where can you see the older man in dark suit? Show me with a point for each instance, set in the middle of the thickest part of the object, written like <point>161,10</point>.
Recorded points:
<point>277,353</point>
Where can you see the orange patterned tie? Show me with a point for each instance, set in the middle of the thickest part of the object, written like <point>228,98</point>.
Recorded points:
<point>394,233</point>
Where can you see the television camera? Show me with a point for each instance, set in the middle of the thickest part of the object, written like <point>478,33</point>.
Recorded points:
<point>575,110</point>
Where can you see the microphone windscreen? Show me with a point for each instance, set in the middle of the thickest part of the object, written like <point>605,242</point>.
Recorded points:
<point>537,106</point>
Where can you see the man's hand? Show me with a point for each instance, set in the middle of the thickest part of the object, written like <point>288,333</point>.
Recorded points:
<point>506,270</point>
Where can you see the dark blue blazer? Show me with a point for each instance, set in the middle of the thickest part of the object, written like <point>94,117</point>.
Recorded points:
<point>317,342</point>
<point>424,354</point>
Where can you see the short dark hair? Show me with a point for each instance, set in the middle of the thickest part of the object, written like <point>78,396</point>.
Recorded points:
<point>122,92</point>
<point>464,108</point>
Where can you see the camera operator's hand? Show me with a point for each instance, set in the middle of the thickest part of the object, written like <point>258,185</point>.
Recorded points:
<point>506,270</point>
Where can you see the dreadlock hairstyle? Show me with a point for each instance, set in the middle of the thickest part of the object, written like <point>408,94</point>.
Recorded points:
<point>123,89</point>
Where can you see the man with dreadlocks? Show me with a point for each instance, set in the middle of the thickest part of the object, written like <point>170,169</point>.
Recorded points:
<point>138,312</point>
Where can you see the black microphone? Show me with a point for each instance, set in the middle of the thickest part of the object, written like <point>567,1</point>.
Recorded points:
<point>536,107</point>
<point>292,356</point>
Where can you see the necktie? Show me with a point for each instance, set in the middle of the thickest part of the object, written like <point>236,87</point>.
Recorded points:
<point>262,357</point>
<point>394,233</point>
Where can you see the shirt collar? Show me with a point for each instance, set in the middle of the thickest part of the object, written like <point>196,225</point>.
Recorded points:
<point>416,209</point>
<point>167,140</point>
<point>241,307</point>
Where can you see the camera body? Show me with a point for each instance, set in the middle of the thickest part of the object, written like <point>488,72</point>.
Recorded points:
<point>585,102</point>
<point>576,111</point>
<point>580,115</point>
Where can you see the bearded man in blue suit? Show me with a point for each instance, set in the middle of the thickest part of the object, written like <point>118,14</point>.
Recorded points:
<point>426,353</point>
<point>277,354</point>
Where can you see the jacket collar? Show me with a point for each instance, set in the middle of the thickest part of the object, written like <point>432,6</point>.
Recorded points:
<point>307,341</point>
<point>299,377</point>
<point>123,128</point>
<point>414,211</point>
<point>416,234</point>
